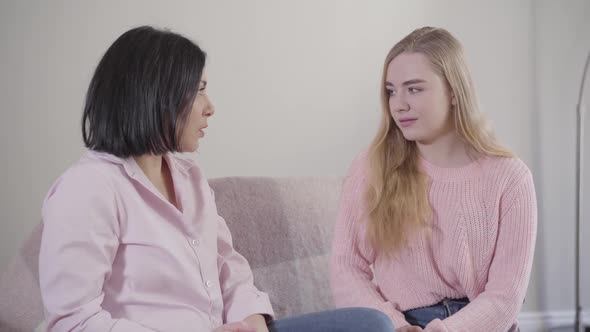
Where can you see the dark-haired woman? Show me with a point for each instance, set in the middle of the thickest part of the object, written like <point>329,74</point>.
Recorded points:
<point>132,240</point>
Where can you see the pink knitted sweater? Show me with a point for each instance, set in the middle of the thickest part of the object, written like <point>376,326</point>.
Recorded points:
<point>481,247</point>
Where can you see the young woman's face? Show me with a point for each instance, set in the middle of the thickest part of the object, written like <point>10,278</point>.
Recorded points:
<point>419,100</point>
<point>196,123</point>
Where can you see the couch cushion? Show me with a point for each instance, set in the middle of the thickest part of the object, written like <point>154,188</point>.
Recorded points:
<point>283,227</point>
<point>21,308</point>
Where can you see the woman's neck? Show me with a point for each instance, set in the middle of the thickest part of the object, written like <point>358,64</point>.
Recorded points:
<point>151,165</point>
<point>157,170</point>
<point>447,151</point>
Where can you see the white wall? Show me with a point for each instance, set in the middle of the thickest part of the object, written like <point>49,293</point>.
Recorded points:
<point>295,84</point>
<point>561,44</point>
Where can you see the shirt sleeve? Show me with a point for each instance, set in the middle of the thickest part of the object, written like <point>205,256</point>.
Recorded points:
<point>78,246</point>
<point>240,297</point>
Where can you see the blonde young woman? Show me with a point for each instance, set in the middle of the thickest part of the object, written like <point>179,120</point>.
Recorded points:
<point>437,221</point>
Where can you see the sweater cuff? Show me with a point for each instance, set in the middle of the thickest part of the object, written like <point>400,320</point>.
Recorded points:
<point>397,318</point>
<point>436,325</point>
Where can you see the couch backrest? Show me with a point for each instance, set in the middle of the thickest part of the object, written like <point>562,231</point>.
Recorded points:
<point>283,226</point>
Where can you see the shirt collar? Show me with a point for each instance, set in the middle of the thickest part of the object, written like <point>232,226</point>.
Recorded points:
<point>131,166</point>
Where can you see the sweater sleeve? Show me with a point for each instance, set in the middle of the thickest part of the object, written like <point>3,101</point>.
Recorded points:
<point>352,255</point>
<point>497,307</point>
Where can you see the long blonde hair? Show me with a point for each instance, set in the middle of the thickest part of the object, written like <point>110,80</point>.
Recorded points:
<point>397,189</point>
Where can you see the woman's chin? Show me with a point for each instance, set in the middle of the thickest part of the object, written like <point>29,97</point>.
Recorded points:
<point>189,148</point>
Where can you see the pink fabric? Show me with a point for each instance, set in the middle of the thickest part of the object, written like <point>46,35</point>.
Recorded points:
<point>481,247</point>
<point>20,299</point>
<point>116,256</point>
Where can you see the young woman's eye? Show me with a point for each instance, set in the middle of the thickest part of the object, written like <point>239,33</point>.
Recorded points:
<point>414,90</point>
<point>389,92</point>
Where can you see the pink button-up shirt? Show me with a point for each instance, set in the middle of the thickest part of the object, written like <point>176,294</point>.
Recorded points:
<point>117,256</point>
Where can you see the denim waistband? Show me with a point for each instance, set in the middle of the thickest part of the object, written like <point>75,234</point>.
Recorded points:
<point>445,308</point>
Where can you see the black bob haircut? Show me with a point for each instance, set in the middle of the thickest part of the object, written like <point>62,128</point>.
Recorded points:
<point>141,93</point>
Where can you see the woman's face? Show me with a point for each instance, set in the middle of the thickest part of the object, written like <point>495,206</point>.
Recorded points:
<point>419,100</point>
<point>201,110</point>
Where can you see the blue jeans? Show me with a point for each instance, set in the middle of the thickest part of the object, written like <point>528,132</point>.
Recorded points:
<point>422,316</point>
<point>339,320</point>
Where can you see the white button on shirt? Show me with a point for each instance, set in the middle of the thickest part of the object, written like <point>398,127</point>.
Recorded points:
<point>216,323</point>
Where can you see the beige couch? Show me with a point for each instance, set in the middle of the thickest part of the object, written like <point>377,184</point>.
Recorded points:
<point>282,226</point>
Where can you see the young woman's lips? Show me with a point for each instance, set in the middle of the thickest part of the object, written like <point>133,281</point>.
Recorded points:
<point>407,122</point>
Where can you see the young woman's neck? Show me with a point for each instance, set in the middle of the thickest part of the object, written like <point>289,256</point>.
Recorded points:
<point>447,151</point>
